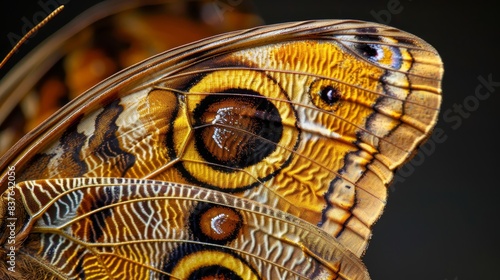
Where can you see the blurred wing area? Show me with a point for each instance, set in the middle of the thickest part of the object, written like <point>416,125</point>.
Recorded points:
<point>101,41</point>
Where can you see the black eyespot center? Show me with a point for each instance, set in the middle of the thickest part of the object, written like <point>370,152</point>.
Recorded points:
<point>367,50</point>
<point>244,129</point>
<point>367,40</point>
<point>329,95</point>
<point>214,272</point>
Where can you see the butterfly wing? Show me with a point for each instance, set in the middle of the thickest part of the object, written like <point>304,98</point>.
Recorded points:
<point>311,118</point>
<point>331,108</point>
<point>107,228</point>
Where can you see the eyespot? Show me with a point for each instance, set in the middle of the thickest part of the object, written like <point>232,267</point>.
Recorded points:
<point>214,223</point>
<point>330,95</point>
<point>326,94</point>
<point>381,54</point>
<point>239,121</point>
<point>382,51</point>
<point>193,261</point>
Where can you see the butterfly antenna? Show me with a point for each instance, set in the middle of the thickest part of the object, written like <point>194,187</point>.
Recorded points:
<point>31,32</point>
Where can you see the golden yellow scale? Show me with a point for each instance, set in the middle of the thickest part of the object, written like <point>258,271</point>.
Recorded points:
<point>258,154</point>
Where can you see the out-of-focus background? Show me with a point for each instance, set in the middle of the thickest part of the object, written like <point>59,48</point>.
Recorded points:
<point>440,221</point>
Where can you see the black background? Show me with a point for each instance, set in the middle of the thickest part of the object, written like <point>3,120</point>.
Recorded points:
<point>440,221</point>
